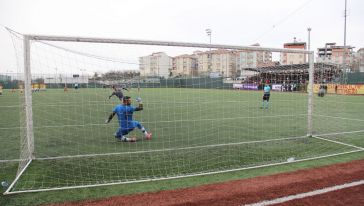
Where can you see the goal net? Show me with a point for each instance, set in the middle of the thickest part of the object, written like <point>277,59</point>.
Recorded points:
<point>203,105</point>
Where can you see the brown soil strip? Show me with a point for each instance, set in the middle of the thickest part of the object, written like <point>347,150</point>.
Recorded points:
<point>252,190</point>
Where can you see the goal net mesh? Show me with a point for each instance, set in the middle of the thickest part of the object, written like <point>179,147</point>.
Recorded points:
<point>203,106</point>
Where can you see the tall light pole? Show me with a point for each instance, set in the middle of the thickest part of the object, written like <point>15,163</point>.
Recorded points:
<point>309,38</point>
<point>83,77</point>
<point>208,32</point>
<point>344,50</point>
<point>308,42</point>
<point>55,79</point>
<point>345,15</point>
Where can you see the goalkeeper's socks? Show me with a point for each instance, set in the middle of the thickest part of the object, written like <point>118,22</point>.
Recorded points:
<point>267,104</point>
<point>124,138</point>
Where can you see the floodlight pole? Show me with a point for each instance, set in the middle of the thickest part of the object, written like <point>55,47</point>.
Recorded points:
<point>209,32</point>
<point>308,42</point>
<point>344,50</point>
<point>309,38</point>
<point>310,93</point>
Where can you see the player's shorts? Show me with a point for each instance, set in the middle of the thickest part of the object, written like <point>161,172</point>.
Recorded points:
<point>321,94</point>
<point>266,97</point>
<point>126,130</point>
<point>120,95</point>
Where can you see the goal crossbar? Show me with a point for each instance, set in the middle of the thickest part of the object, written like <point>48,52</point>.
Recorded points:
<point>161,43</point>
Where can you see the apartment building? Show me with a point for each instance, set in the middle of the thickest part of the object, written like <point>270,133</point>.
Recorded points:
<point>324,54</point>
<point>334,54</point>
<point>341,54</point>
<point>156,64</point>
<point>293,58</point>
<point>360,58</point>
<point>254,59</point>
<point>220,61</point>
<point>185,65</point>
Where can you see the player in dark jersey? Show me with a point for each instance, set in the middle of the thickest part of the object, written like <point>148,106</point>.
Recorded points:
<point>118,92</point>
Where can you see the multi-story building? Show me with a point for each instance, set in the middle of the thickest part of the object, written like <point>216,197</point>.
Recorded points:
<point>294,58</point>
<point>184,65</point>
<point>360,58</point>
<point>157,64</point>
<point>341,54</point>
<point>231,63</point>
<point>324,54</point>
<point>204,62</point>
<point>254,59</point>
<point>221,61</point>
<point>336,54</point>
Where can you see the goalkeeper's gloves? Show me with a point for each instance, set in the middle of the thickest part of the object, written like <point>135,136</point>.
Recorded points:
<point>139,100</point>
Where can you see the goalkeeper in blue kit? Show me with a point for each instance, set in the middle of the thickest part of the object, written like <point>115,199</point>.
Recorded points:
<point>126,123</point>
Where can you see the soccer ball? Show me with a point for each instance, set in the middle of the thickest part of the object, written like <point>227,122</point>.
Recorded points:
<point>4,184</point>
<point>291,159</point>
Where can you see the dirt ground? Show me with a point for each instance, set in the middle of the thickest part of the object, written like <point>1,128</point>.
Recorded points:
<point>253,190</point>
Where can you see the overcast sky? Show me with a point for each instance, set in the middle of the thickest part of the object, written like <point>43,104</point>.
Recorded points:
<point>270,23</point>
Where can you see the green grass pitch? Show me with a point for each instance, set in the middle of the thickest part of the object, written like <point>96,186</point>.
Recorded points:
<point>194,131</point>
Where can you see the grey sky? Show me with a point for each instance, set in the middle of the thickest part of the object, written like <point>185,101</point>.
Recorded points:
<point>268,22</point>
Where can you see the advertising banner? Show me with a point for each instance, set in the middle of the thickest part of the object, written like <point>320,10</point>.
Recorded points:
<point>349,89</point>
<point>250,86</point>
<point>42,87</point>
<point>246,86</point>
<point>237,86</point>
<point>277,87</point>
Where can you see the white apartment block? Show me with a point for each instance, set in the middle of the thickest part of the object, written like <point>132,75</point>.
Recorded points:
<point>156,64</point>
<point>226,63</point>
<point>217,61</point>
<point>254,59</point>
<point>203,63</point>
<point>185,65</point>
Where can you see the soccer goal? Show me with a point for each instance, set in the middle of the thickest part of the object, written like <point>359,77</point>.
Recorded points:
<point>206,106</point>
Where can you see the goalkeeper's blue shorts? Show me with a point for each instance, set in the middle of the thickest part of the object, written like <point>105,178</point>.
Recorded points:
<point>126,130</point>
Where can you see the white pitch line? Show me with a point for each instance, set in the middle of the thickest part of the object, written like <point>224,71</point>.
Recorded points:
<point>344,118</point>
<point>11,160</point>
<point>307,194</point>
<point>339,133</point>
<point>181,176</point>
<point>171,149</point>
<point>337,142</point>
